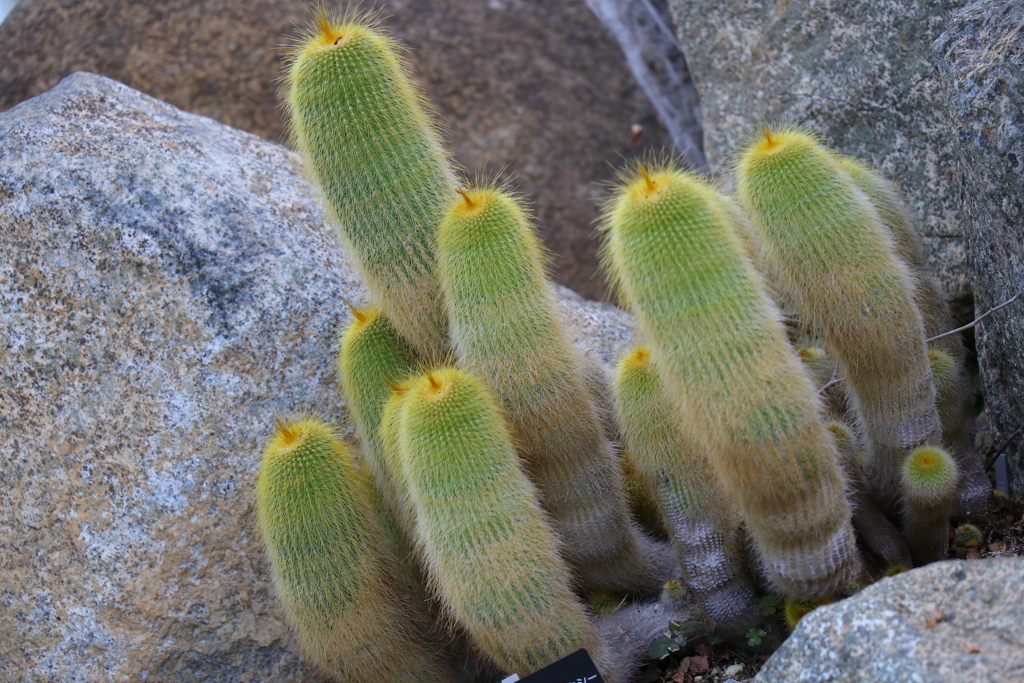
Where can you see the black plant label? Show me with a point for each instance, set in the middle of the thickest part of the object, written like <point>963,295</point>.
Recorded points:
<point>575,668</point>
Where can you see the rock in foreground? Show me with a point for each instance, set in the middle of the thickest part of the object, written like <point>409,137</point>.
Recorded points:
<point>949,621</point>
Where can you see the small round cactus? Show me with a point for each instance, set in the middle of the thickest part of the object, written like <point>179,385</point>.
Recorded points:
<point>967,534</point>
<point>674,591</point>
<point>603,602</point>
<point>929,480</point>
<point>929,476</point>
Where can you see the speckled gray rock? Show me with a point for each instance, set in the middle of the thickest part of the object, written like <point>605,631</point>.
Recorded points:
<point>981,56</point>
<point>858,71</point>
<point>167,287</point>
<point>949,621</point>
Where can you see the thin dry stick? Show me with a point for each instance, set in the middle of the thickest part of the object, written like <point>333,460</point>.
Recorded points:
<point>976,320</point>
<point>836,379</point>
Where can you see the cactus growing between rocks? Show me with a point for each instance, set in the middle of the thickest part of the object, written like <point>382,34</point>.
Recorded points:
<point>824,244</point>
<point>719,345</point>
<point>489,552</point>
<point>704,524</point>
<point>950,380</point>
<point>929,482</point>
<point>505,329</point>
<point>362,127</point>
<point>334,574</point>
<point>447,463</point>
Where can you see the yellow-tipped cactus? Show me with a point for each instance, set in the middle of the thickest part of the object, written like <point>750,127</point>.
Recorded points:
<point>721,350</point>
<point>929,481</point>
<point>704,523</point>
<point>490,554</point>
<point>505,329</point>
<point>372,360</point>
<point>826,247</point>
<point>952,395</point>
<point>331,567</point>
<point>362,128</point>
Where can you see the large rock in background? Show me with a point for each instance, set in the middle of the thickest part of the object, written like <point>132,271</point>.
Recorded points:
<point>537,87</point>
<point>981,58</point>
<point>858,71</point>
<point>949,621</point>
<point>168,287</point>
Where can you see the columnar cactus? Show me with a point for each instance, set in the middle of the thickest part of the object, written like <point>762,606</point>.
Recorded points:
<point>721,417</point>
<point>952,395</point>
<point>825,245</point>
<point>704,523</point>
<point>505,329</point>
<point>873,528</point>
<point>362,128</point>
<point>720,347</point>
<point>372,360</point>
<point>490,554</point>
<point>335,576</point>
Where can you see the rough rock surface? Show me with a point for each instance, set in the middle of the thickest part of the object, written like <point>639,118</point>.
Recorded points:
<point>949,621</point>
<point>167,287</point>
<point>858,71</point>
<point>981,58</point>
<point>538,87</point>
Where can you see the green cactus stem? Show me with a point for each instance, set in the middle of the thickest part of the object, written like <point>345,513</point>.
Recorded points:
<point>368,142</point>
<point>704,523</point>
<point>490,554</point>
<point>826,248</point>
<point>721,350</point>
<point>505,329</point>
<point>967,534</point>
<point>929,480</point>
<point>953,397</point>
<point>873,528</point>
<point>330,564</point>
<point>372,360</point>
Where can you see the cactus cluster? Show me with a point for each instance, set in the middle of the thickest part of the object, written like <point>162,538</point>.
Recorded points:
<point>482,524</point>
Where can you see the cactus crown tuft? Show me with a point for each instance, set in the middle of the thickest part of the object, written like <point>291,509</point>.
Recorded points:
<point>929,474</point>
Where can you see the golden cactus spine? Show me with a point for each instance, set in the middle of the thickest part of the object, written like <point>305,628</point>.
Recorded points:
<point>505,330</point>
<point>490,555</point>
<point>366,138</point>
<point>825,246</point>
<point>721,350</point>
<point>331,567</point>
<point>704,524</point>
